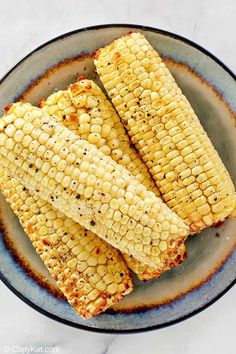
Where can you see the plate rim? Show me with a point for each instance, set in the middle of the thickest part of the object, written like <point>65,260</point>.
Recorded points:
<point>86,327</point>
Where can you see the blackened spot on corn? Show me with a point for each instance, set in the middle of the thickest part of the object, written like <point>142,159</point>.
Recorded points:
<point>78,196</point>
<point>7,108</point>
<point>92,222</point>
<point>219,224</point>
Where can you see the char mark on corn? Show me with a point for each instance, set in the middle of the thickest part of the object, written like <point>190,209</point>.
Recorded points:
<point>56,165</point>
<point>161,123</point>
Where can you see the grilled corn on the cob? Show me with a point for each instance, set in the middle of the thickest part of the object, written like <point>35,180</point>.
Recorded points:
<point>87,186</point>
<point>161,123</point>
<point>85,110</point>
<point>90,273</point>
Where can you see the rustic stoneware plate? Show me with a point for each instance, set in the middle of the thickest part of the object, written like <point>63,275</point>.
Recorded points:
<point>210,269</point>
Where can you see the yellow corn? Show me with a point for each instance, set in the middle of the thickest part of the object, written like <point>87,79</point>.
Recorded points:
<point>85,110</point>
<point>145,272</point>
<point>87,186</point>
<point>161,123</point>
<point>90,273</point>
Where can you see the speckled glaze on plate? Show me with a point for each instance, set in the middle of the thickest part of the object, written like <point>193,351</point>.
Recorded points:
<point>210,269</point>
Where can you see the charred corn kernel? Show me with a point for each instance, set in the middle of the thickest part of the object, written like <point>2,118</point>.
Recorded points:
<point>106,132</point>
<point>110,129</point>
<point>167,120</point>
<point>86,210</point>
<point>60,253</point>
<point>146,272</point>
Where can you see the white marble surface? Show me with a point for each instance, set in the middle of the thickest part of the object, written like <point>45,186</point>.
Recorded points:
<point>25,24</point>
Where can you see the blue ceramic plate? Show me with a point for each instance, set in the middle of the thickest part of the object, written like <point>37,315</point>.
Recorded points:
<point>210,269</point>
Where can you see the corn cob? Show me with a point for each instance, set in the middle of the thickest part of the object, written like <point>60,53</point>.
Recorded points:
<point>90,273</point>
<point>85,110</point>
<point>161,123</point>
<point>87,186</point>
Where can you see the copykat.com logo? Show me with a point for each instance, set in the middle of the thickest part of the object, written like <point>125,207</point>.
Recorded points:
<point>31,349</point>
